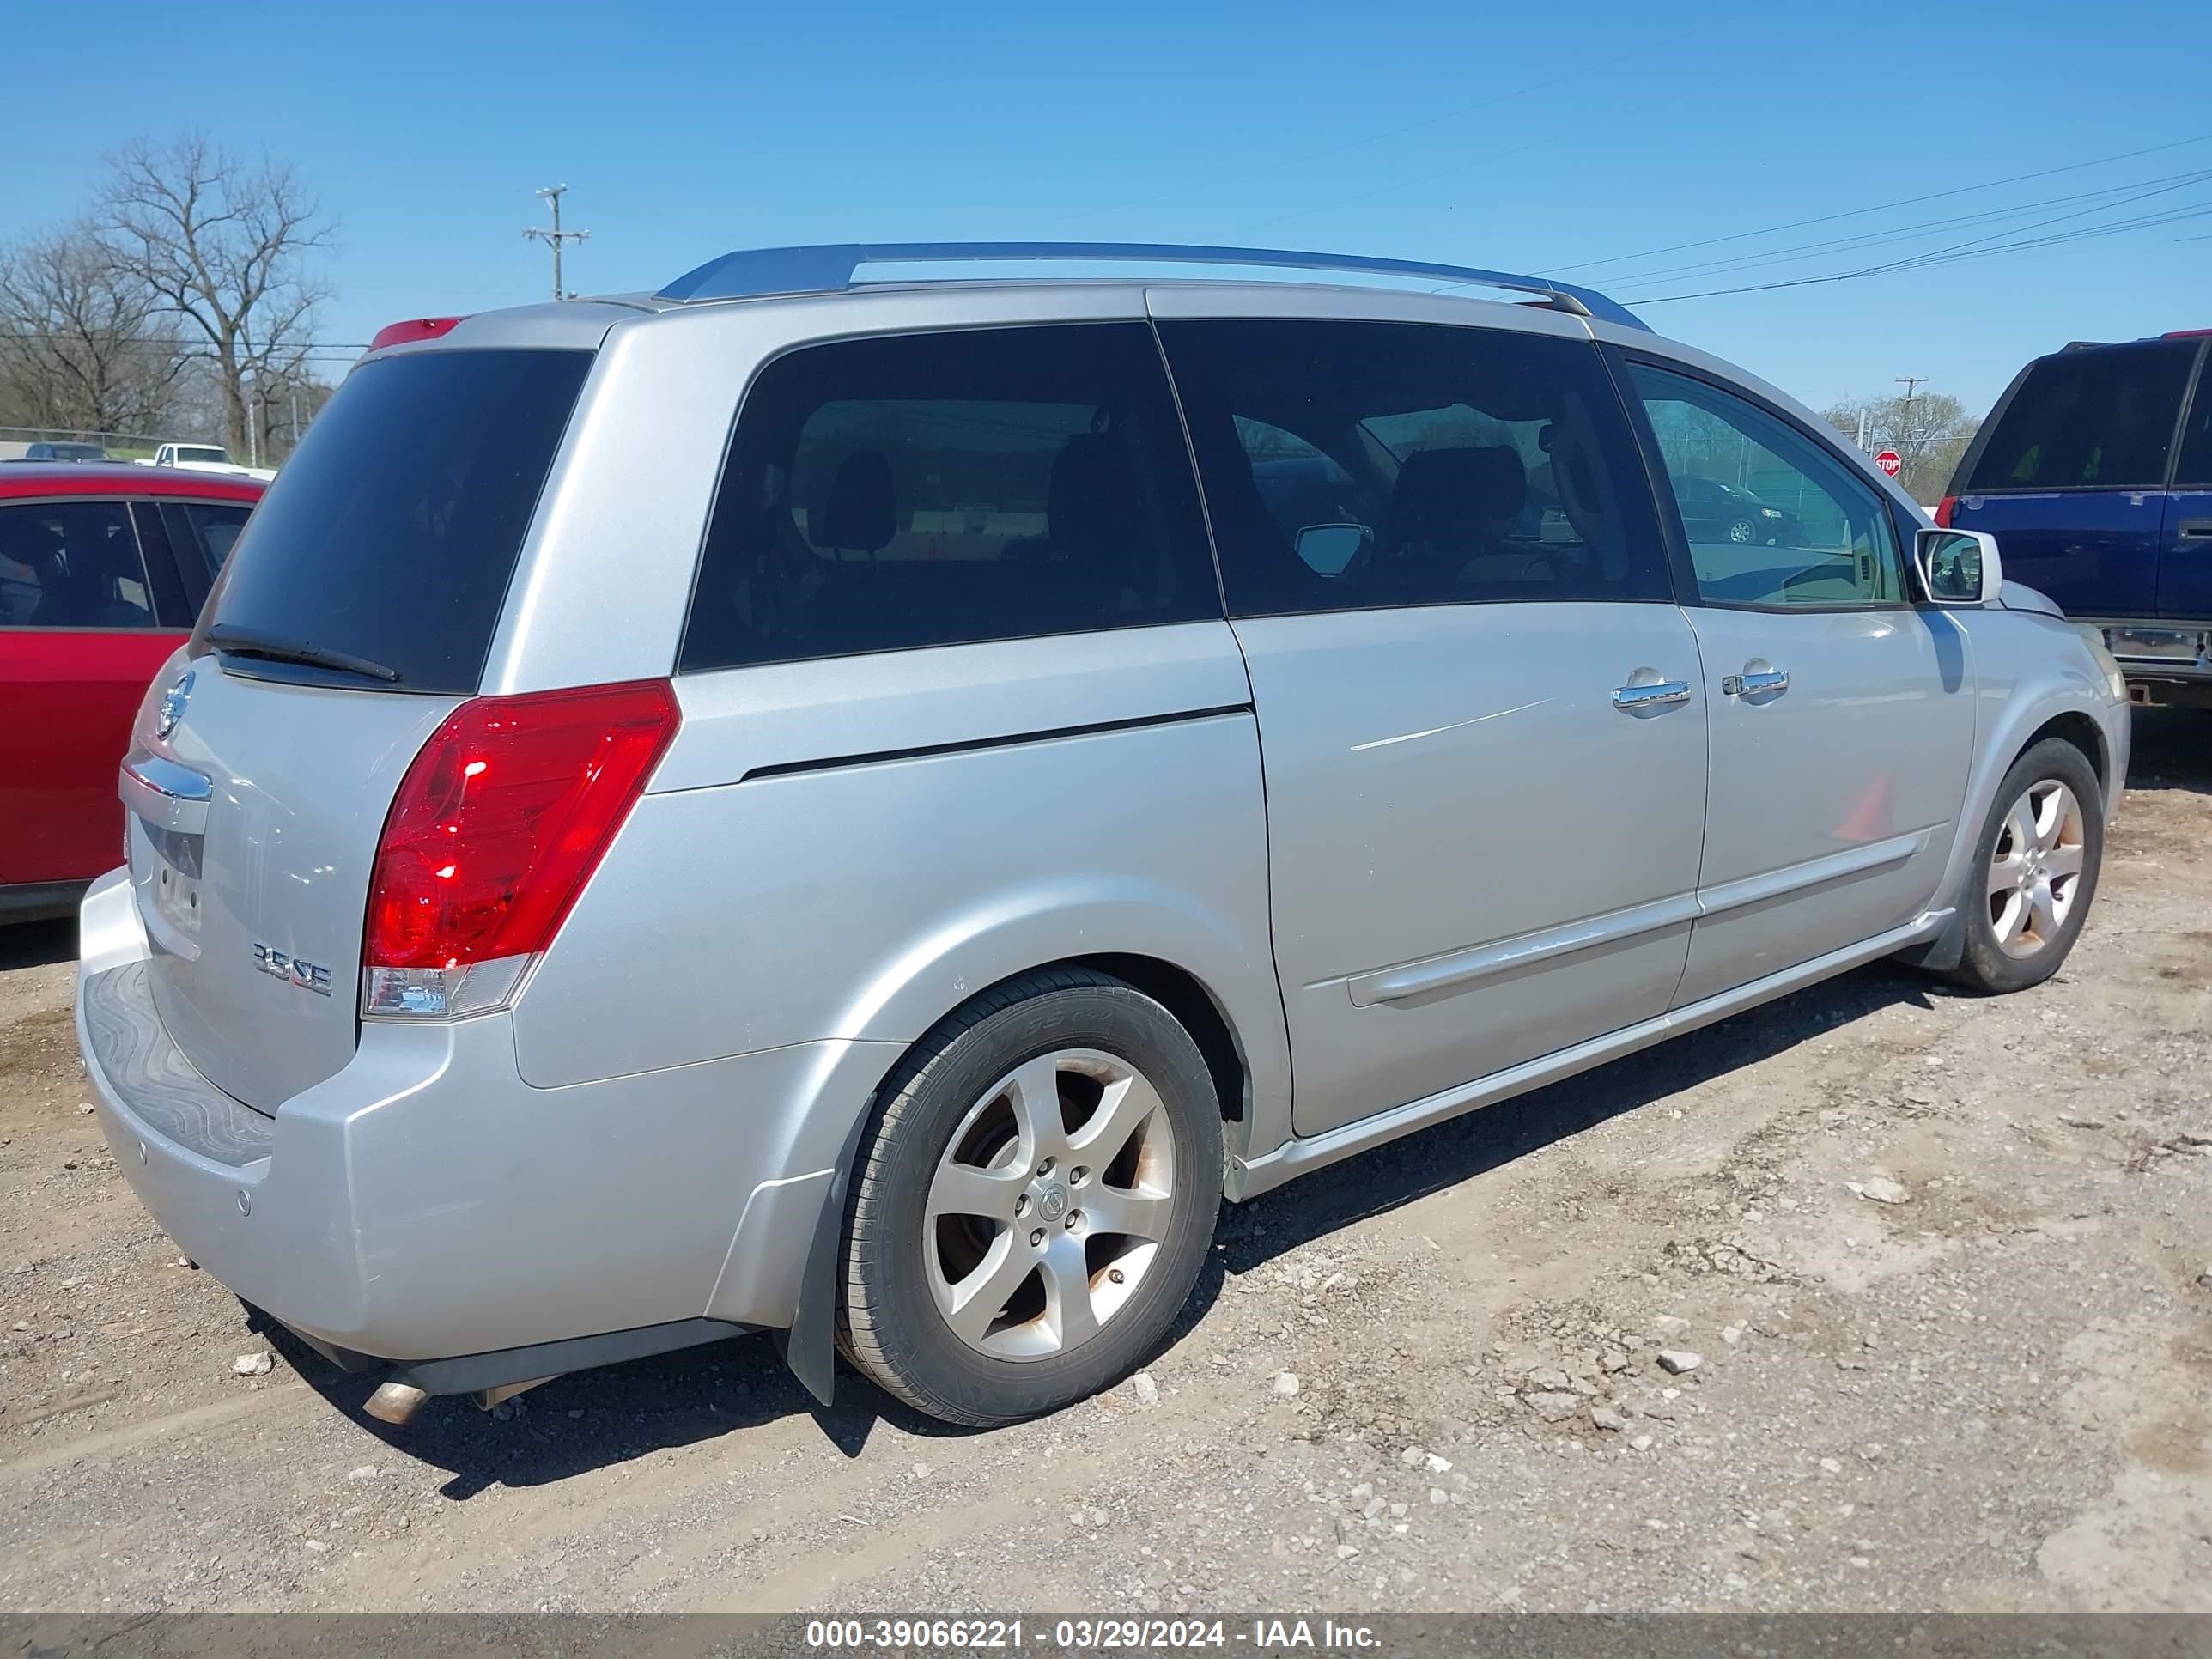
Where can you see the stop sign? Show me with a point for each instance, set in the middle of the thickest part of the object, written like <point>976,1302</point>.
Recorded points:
<point>1887,462</point>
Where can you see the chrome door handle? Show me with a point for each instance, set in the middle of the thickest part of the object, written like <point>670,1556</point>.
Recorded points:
<point>1752,685</point>
<point>1657,695</point>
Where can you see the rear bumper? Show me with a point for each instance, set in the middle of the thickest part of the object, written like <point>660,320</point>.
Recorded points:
<point>2157,651</point>
<point>426,1204</point>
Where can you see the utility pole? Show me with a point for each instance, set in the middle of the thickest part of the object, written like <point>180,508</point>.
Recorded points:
<point>555,237</point>
<point>1910,383</point>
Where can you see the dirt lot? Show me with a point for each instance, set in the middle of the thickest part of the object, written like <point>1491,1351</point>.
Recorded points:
<point>1994,1394</point>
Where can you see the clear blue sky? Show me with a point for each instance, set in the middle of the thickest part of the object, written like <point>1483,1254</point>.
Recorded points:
<point>1545,140</point>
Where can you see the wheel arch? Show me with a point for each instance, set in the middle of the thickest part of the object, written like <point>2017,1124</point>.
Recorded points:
<point>1186,996</point>
<point>1214,973</point>
<point>2081,731</point>
<point>808,1347</point>
<point>2061,711</point>
<point>1194,1003</point>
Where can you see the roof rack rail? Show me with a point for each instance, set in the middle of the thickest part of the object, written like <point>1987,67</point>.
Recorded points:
<point>830,268</point>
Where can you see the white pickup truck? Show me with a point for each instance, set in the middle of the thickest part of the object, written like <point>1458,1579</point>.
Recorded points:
<point>206,458</point>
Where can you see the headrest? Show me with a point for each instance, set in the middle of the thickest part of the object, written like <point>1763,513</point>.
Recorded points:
<point>1092,497</point>
<point>26,540</point>
<point>859,513</point>
<point>114,555</point>
<point>1454,494</point>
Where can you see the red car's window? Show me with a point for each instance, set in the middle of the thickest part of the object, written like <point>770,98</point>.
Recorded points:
<point>72,564</point>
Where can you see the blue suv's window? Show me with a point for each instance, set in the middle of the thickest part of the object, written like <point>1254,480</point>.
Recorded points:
<point>944,488</point>
<point>2097,419</point>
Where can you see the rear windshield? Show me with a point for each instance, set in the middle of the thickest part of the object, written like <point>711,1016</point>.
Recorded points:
<point>391,535</point>
<point>2100,419</point>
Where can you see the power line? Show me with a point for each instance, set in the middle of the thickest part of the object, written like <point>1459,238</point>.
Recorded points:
<point>1936,256</point>
<point>326,350</point>
<point>555,237</point>
<point>1884,207</point>
<point>1895,234</point>
<point>1940,257</point>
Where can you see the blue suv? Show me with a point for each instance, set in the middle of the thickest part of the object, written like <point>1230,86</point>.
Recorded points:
<point>2094,473</point>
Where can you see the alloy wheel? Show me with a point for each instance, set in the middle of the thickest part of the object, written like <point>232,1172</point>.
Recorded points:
<point>2035,868</point>
<point>1049,1205</point>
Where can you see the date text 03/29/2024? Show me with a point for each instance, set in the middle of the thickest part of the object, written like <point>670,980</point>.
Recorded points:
<point>1085,1635</point>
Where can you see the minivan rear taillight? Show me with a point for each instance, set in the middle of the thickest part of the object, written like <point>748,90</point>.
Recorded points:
<point>498,824</point>
<point>1944,509</point>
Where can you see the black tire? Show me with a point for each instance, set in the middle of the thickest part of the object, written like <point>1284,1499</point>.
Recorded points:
<point>1749,529</point>
<point>1984,965</point>
<point>889,1324</point>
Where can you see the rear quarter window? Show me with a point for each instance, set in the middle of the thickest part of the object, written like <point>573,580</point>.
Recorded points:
<point>393,531</point>
<point>897,492</point>
<point>2098,419</point>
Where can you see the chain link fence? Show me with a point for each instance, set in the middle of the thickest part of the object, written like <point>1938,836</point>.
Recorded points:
<point>119,445</point>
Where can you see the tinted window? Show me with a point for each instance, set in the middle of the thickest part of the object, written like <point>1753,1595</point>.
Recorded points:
<point>937,489</point>
<point>2195,468</point>
<point>214,526</point>
<point>392,532</point>
<point>1771,515</point>
<point>2101,418</point>
<point>1353,465</point>
<point>72,564</point>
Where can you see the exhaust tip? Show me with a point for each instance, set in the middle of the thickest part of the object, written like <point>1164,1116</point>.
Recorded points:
<point>395,1402</point>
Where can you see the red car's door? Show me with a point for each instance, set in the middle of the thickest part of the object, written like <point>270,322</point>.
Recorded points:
<point>79,639</point>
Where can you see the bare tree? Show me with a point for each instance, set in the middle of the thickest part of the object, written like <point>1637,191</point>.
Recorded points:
<point>85,345</point>
<point>1929,432</point>
<point>229,247</point>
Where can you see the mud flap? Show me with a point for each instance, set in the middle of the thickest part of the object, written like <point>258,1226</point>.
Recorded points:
<point>809,1347</point>
<point>1942,952</point>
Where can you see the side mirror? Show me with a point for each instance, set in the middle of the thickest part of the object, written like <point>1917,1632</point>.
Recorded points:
<point>1958,566</point>
<point>1329,548</point>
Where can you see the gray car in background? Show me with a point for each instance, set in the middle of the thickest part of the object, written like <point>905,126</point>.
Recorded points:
<point>864,809</point>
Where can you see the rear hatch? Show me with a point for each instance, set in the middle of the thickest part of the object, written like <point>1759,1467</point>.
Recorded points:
<point>356,611</point>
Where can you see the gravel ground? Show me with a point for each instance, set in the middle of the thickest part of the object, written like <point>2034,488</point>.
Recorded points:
<point>1945,1267</point>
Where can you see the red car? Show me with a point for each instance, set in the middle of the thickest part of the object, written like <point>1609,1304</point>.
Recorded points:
<point>102,568</point>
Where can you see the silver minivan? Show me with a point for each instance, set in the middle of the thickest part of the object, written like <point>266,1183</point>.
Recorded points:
<point>866,809</point>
